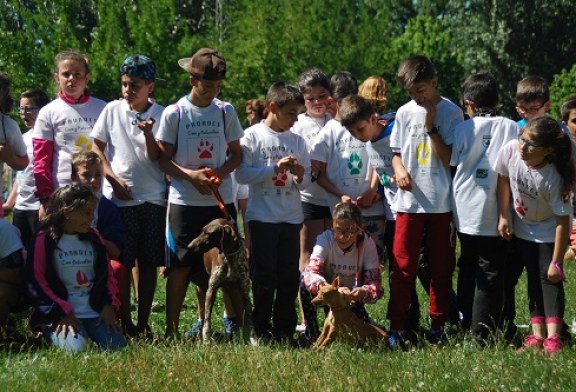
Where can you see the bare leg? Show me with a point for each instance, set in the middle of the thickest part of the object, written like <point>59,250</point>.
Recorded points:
<point>135,276</point>
<point>176,286</point>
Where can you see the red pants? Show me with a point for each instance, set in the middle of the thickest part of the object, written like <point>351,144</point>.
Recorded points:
<point>121,275</point>
<point>407,244</point>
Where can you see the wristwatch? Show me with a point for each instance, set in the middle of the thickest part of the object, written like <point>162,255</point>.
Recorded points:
<point>433,130</point>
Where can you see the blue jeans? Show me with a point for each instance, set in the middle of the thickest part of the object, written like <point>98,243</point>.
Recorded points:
<point>90,330</point>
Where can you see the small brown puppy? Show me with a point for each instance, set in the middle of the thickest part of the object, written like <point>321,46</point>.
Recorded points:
<point>341,323</point>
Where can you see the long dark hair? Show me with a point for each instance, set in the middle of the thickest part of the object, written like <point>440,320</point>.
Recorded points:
<point>548,133</point>
<point>65,199</point>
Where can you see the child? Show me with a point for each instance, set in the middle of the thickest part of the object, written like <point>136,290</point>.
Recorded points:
<point>276,165</point>
<point>12,147</point>
<point>568,115</point>
<point>124,138</point>
<point>375,90</point>
<point>22,196</point>
<point>255,109</point>
<point>63,126</point>
<point>315,87</point>
<point>194,136</point>
<point>348,252</point>
<point>532,98</point>
<point>421,139</point>
<point>69,277</point>
<point>345,169</point>
<point>477,143</point>
<point>537,173</point>
<point>12,289</point>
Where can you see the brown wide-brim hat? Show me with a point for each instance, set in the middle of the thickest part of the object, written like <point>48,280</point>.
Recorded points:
<point>205,64</point>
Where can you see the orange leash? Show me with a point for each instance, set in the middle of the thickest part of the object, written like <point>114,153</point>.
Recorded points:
<point>213,177</point>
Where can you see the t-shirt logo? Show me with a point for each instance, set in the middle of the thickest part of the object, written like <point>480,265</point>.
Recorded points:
<point>205,149</point>
<point>83,143</point>
<point>280,178</point>
<point>355,163</point>
<point>423,154</point>
<point>520,207</point>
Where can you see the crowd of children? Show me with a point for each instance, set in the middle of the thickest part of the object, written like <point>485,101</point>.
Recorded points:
<point>329,183</point>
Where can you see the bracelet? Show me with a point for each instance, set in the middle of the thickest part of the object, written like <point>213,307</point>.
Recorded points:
<point>559,269</point>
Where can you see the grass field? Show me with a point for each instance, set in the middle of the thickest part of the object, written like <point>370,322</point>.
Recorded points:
<point>190,365</point>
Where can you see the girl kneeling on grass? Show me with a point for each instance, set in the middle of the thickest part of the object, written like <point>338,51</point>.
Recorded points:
<point>537,173</point>
<point>69,276</point>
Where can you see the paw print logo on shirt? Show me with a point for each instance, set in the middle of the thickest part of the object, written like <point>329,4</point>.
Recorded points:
<point>355,163</point>
<point>83,144</point>
<point>205,149</point>
<point>520,207</point>
<point>280,178</point>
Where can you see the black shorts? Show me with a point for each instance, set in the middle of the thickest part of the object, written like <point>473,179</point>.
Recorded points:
<point>144,235</point>
<point>184,224</point>
<point>314,211</point>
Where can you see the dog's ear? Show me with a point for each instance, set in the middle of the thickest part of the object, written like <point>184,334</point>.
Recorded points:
<point>336,282</point>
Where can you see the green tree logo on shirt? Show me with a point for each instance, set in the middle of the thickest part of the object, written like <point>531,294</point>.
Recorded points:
<point>355,163</point>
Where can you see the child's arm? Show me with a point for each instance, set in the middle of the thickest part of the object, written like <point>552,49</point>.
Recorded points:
<point>503,191</point>
<point>403,178</point>
<point>369,197</point>
<point>11,200</point>
<point>121,189</point>
<point>233,161</point>
<point>9,157</point>
<point>438,146</point>
<point>555,270</point>
<point>325,183</point>
<point>152,149</point>
<point>200,178</point>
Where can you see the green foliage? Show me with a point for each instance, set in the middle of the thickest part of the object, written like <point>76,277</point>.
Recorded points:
<point>562,88</point>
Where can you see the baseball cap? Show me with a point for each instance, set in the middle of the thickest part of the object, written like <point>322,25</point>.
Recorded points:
<point>205,64</point>
<point>140,66</point>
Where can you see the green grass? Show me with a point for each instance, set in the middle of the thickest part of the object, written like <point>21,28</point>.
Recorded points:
<point>187,365</point>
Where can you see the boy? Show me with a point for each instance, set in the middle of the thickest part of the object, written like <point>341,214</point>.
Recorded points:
<point>276,165</point>
<point>315,87</point>
<point>532,98</point>
<point>12,287</point>
<point>477,143</point>
<point>194,137</point>
<point>124,139</point>
<point>421,139</point>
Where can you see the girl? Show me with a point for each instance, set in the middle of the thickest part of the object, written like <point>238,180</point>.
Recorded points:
<point>348,252</point>
<point>537,173</point>
<point>63,126</point>
<point>70,280</point>
<point>12,147</point>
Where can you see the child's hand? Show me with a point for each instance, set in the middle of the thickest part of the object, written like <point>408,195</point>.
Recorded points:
<point>121,190</point>
<point>556,272</point>
<point>201,180</point>
<point>504,229</point>
<point>403,180</point>
<point>68,324</point>
<point>285,164</point>
<point>108,317</point>
<point>345,291</point>
<point>345,199</point>
<point>430,113</point>
<point>367,199</point>
<point>569,255</point>
<point>297,170</point>
<point>146,125</point>
<point>359,294</point>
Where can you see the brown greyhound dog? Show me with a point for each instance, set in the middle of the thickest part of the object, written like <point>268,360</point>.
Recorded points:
<point>226,263</point>
<point>341,323</point>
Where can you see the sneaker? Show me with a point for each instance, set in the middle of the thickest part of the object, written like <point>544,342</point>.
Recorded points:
<point>300,328</point>
<point>436,337</point>
<point>553,345</point>
<point>403,340</point>
<point>231,325</point>
<point>573,326</point>
<point>532,342</point>
<point>196,330</point>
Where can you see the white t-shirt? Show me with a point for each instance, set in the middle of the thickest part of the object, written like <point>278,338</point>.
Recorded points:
<point>26,199</point>
<point>380,155</point>
<point>536,196</point>
<point>126,151</point>
<point>10,131</point>
<point>348,166</point>
<point>477,143</point>
<point>10,241</point>
<point>344,265</point>
<point>431,180</point>
<point>308,127</point>
<point>69,127</point>
<point>273,198</point>
<point>201,137</point>
<point>74,262</point>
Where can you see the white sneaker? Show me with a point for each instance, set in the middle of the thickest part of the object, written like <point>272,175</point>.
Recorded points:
<point>301,328</point>
<point>573,326</point>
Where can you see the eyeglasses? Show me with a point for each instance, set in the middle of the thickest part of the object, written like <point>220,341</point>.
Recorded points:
<point>531,145</point>
<point>344,233</point>
<point>530,110</point>
<point>27,109</point>
<point>321,97</point>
